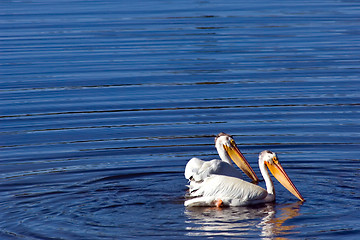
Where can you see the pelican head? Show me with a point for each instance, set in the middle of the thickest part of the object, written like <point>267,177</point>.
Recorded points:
<point>227,149</point>
<point>272,162</point>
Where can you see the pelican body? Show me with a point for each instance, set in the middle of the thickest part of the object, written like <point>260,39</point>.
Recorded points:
<point>197,170</point>
<point>221,190</point>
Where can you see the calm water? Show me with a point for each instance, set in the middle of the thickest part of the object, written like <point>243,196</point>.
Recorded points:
<point>102,103</point>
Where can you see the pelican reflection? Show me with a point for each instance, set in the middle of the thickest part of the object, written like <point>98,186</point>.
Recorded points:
<point>273,224</point>
<point>264,221</point>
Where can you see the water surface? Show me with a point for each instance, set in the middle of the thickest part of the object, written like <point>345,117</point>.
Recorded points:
<point>102,103</point>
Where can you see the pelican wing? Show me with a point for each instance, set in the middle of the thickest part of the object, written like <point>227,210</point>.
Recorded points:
<point>232,191</point>
<point>198,170</point>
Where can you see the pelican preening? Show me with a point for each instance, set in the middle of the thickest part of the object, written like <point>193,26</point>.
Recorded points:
<point>218,188</point>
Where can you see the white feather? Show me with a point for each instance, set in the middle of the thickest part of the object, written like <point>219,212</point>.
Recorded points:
<point>221,190</point>
<point>232,191</point>
<point>198,170</point>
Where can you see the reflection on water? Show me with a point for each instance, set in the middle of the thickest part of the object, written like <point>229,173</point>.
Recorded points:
<point>241,221</point>
<point>273,225</point>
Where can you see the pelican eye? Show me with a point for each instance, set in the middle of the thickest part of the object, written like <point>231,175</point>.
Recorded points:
<point>275,160</point>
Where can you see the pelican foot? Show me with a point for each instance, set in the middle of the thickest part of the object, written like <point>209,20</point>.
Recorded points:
<point>219,203</point>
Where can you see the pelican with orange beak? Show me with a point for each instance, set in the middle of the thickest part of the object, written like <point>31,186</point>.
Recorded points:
<point>197,170</point>
<point>221,190</point>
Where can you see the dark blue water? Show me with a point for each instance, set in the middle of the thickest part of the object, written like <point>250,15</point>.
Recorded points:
<point>102,103</point>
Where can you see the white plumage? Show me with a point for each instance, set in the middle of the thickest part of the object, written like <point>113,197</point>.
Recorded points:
<point>197,170</point>
<point>222,190</point>
<point>230,190</point>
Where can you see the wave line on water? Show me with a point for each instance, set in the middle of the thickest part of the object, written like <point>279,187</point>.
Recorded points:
<point>176,108</point>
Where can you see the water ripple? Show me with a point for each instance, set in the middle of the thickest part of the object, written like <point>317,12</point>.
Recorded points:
<point>103,103</point>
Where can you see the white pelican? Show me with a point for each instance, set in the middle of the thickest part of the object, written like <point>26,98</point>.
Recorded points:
<point>220,190</point>
<point>196,170</point>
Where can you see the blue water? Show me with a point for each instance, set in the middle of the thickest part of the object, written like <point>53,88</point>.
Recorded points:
<point>102,103</point>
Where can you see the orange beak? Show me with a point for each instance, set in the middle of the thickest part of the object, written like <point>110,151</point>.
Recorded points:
<point>239,159</point>
<point>279,173</point>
